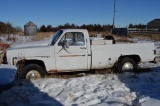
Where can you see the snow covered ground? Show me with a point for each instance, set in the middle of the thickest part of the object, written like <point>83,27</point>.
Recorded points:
<point>99,90</point>
<point>140,89</point>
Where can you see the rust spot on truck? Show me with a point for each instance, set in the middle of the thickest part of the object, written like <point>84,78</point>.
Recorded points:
<point>3,48</point>
<point>43,56</point>
<point>52,71</point>
<point>71,55</point>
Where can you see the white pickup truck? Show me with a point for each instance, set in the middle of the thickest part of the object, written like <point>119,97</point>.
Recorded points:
<point>72,50</point>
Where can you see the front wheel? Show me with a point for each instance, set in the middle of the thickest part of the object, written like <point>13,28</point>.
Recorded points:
<point>32,71</point>
<point>127,64</point>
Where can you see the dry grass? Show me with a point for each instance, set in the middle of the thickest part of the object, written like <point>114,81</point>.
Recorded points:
<point>20,33</point>
<point>155,37</point>
<point>42,35</point>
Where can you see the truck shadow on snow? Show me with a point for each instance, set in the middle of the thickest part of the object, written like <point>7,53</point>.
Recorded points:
<point>25,93</point>
<point>144,84</point>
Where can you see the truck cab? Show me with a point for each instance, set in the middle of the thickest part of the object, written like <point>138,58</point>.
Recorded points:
<point>72,51</point>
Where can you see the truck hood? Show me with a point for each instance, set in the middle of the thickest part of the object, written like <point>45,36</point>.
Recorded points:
<point>45,42</point>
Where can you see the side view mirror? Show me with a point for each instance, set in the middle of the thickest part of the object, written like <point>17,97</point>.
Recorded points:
<point>65,44</point>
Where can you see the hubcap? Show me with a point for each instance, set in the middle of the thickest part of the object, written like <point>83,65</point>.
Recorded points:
<point>127,67</point>
<point>33,74</point>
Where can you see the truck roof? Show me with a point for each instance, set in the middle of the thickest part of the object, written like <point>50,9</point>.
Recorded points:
<point>73,30</point>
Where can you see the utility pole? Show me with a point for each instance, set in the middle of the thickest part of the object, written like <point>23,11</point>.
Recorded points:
<point>114,12</point>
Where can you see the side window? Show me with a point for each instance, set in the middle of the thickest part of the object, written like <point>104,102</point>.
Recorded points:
<point>73,39</point>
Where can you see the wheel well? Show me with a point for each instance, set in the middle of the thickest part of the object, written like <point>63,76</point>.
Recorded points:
<point>26,62</point>
<point>136,58</point>
<point>110,38</point>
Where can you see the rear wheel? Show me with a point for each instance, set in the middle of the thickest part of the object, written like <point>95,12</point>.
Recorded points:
<point>32,71</point>
<point>127,65</point>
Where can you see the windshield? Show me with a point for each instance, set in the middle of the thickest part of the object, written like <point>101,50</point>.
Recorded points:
<point>56,36</point>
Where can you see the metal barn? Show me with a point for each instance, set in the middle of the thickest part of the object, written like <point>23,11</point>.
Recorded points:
<point>154,24</point>
<point>30,29</point>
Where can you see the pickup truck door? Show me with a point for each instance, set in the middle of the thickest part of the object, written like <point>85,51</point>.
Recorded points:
<point>71,52</point>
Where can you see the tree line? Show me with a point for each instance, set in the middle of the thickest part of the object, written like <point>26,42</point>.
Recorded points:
<point>140,26</point>
<point>7,28</point>
<point>89,27</point>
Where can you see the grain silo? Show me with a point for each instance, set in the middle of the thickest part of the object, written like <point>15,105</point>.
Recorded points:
<point>30,29</point>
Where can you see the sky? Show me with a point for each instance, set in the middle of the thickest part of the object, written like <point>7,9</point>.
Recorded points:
<point>79,12</point>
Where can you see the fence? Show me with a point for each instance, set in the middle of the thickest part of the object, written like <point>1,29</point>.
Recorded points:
<point>143,31</point>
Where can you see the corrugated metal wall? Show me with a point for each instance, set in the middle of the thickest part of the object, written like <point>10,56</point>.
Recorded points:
<point>30,29</point>
<point>120,31</point>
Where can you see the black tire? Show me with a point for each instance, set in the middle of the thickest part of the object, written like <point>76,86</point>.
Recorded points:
<point>28,68</point>
<point>110,38</point>
<point>124,61</point>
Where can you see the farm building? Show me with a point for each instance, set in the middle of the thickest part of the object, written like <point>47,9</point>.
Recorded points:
<point>154,24</point>
<point>30,29</point>
<point>120,31</point>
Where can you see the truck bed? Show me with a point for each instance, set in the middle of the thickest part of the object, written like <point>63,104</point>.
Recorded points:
<point>106,55</point>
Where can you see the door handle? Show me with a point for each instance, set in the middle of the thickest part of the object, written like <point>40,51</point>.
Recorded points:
<point>83,47</point>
